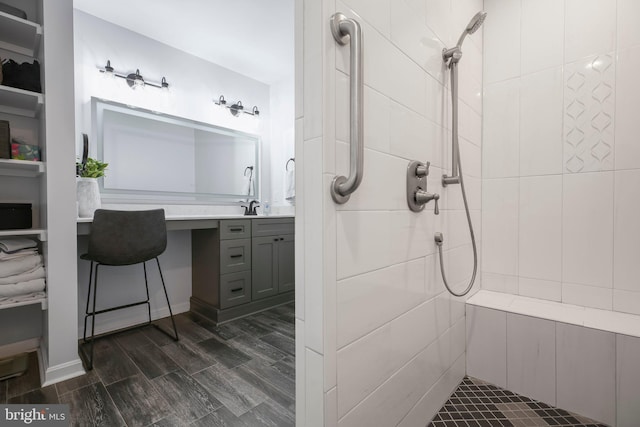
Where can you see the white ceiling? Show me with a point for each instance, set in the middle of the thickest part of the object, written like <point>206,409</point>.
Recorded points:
<point>251,37</point>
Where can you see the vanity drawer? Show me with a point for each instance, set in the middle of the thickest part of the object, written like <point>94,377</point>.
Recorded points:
<point>235,229</point>
<point>235,289</point>
<point>235,255</point>
<point>272,227</point>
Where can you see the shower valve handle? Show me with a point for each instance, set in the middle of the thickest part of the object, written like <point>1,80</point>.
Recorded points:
<point>423,197</point>
<point>422,169</point>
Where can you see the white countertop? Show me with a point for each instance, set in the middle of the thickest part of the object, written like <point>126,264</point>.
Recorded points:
<point>203,217</point>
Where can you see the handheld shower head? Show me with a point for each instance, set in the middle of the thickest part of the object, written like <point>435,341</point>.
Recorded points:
<point>473,26</point>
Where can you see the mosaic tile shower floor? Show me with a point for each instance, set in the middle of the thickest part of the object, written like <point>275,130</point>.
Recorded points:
<point>476,403</point>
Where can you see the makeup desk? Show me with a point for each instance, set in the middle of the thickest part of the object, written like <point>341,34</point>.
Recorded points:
<point>240,264</point>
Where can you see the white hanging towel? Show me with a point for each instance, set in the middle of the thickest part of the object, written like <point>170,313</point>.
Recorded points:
<point>290,185</point>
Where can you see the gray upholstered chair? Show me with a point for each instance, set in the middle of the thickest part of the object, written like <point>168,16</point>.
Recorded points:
<point>120,238</point>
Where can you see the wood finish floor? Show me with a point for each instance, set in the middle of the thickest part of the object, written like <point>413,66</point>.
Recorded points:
<point>239,374</point>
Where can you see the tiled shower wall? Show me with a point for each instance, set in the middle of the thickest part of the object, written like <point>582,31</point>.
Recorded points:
<point>561,153</point>
<point>378,339</point>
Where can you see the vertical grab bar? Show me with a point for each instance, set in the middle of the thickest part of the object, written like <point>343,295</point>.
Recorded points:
<point>348,30</point>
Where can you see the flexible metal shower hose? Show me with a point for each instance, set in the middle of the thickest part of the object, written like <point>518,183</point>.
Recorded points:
<point>473,240</point>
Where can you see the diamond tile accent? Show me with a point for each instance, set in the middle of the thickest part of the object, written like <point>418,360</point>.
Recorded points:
<point>477,403</point>
<point>589,102</point>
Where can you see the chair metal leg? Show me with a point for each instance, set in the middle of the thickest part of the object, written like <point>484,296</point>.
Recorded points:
<point>86,310</point>
<point>146,285</point>
<point>89,358</point>
<point>173,322</point>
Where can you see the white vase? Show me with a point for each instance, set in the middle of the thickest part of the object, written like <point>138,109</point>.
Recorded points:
<point>88,194</point>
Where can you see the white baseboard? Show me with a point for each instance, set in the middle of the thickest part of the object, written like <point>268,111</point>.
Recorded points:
<point>105,324</point>
<point>55,374</point>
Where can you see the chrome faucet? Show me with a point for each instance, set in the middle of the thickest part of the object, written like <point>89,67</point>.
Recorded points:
<point>251,209</point>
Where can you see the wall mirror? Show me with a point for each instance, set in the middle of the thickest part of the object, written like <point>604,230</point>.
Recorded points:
<point>158,157</point>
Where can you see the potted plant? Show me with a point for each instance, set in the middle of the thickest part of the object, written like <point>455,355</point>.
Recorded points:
<point>88,192</point>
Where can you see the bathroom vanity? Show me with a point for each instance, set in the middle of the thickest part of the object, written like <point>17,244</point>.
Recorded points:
<point>243,266</point>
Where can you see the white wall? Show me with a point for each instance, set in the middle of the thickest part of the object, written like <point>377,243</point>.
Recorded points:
<point>561,164</point>
<point>379,341</point>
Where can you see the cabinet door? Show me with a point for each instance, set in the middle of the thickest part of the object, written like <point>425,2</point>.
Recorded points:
<point>264,271</point>
<point>286,264</point>
<point>235,255</point>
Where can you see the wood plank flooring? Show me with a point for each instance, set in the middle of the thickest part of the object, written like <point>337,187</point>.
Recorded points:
<point>238,374</point>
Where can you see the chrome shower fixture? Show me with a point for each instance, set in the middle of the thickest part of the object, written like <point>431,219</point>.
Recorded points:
<point>451,58</point>
<point>453,55</point>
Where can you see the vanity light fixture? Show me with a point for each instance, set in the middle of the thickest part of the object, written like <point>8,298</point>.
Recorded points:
<point>134,80</point>
<point>236,108</point>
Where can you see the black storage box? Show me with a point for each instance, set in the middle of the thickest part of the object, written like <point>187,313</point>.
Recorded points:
<point>5,140</point>
<point>15,216</point>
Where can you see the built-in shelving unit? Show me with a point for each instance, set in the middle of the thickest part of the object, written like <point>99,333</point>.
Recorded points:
<point>19,35</point>
<point>20,102</point>
<point>24,168</point>
<point>42,301</point>
<point>39,233</point>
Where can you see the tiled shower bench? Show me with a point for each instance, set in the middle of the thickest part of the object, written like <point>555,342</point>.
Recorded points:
<point>580,359</point>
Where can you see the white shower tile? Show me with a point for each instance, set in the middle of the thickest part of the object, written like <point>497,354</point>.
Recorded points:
<point>433,400</point>
<point>501,40</point>
<point>377,126</point>
<point>500,283</point>
<point>589,114</point>
<point>470,77</point>
<point>585,365</point>
<point>487,345</point>
<point>312,70</point>
<point>457,336</point>
<point>531,357</point>
<point>412,332</point>
<point>541,150</point>
<point>360,242</point>
<point>299,229</point>
<point>342,106</point>
<point>590,28</point>
<point>388,404</point>
<point>501,137</point>
<point>409,82</point>
<point>314,394</point>
<point>628,381</point>
<point>540,227</point>
<point>411,234</point>
<point>587,229</point>
<point>628,28</point>
<point>331,408</point>
<point>627,231</point>
<point>410,133</point>
<point>378,191</point>
<point>627,125</point>
<point>410,33</point>
<point>438,102</point>
<point>500,226</point>
<point>470,124</point>
<point>442,314</point>
<point>542,34</point>
<point>314,183</point>
<point>440,19</point>
<point>588,296</point>
<point>356,380</point>
<point>543,289</point>
<point>376,13</point>
<point>301,368</point>
<point>368,301</point>
<point>626,301</point>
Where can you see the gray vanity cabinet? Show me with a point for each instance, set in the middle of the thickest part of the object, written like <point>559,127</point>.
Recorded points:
<point>273,257</point>
<point>244,266</point>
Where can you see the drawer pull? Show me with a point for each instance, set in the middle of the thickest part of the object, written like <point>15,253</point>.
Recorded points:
<point>236,290</point>
<point>275,240</point>
<point>236,256</point>
<point>236,229</point>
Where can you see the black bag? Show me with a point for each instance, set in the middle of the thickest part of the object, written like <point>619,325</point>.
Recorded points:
<point>23,76</point>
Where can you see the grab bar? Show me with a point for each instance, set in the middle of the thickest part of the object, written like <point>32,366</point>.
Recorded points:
<point>345,30</point>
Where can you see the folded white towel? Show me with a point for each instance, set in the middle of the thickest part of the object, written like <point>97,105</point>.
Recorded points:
<point>22,288</point>
<point>290,185</point>
<point>22,298</point>
<point>19,254</point>
<point>19,265</point>
<point>35,273</point>
<point>14,244</point>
